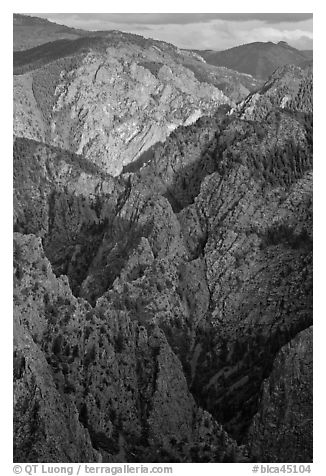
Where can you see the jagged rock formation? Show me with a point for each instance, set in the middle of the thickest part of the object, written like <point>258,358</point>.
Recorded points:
<point>112,97</point>
<point>94,384</point>
<point>117,109</point>
<point>111,106</point>
<point>286,405</point>
<point>289,88</point>
<point>66,200</point>
<point>46,423</point>
<point>249,224</point>
<point>164,303</point>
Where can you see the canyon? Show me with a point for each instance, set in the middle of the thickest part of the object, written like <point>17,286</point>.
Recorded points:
<point>162,256</point>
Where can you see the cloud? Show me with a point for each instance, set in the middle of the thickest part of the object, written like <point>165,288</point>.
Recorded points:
<point>177,18</point>
<point>200,31</point>
<point>220,35</point>
<point>264,17</point>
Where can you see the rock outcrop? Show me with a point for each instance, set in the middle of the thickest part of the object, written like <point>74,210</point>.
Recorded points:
<point>281,430</point>
<point>95,384</point>
<point>289,88</point>
<point>112,108</point>
<point>112,97</point>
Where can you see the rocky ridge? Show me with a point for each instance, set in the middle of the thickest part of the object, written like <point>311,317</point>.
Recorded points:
<point>93,384</point>
<point>288,88</point>
<point>286,405</point>
<point>112,97</point>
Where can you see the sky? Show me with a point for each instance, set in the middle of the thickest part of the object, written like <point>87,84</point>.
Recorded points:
<point>217,31</point>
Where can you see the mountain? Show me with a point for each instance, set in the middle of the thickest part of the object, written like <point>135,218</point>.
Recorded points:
<point>164,314</point>
<point>138,406</point>
<point>289,88</point>
<point>294,359</point>
<point>308,54</point>
<point>257,59</point>
<point>112,97</point>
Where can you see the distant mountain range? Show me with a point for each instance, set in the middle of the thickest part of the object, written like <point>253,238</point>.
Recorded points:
<point>258,59</point>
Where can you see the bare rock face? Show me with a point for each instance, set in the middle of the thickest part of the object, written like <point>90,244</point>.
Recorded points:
<point>111,98</point>
<point>95,384</point>
<point>289,87</point>
<point>28,120</point>
<point>286,404</point>
<point>112,105</point>
<point>46,424</point>
<point>245,260</point>
<point>117,109</point>
<point>59,194</point>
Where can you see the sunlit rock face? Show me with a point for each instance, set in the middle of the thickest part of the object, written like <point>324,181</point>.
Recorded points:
<point>117,108</point>
<point>111,98</point>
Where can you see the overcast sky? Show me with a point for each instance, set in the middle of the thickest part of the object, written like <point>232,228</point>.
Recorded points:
<point>199,30</point>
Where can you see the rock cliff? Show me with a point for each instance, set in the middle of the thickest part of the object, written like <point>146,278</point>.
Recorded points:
<point>95,384</point>
<point>111,98</point>
<point>286,405</point>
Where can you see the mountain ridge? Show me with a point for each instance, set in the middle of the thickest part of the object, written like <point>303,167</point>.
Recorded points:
<point>31,31</point>
<point>260,59</point>
<point>61,96</point>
